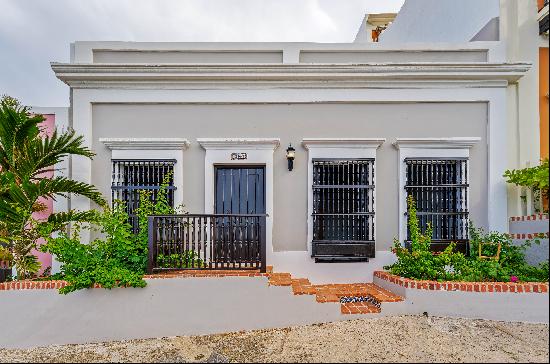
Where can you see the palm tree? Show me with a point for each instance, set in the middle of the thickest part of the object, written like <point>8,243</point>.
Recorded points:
<point>25,156</point>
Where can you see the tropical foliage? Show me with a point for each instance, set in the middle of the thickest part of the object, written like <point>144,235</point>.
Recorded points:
<point>536,178</point>
<point>117,260</point>
<point>26,155</point>
<point>419,262</point>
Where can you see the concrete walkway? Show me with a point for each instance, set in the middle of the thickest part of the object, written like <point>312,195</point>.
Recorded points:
<point>387,339</point>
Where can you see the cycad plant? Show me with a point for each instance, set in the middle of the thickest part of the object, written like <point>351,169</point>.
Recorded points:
<point>25,157</point>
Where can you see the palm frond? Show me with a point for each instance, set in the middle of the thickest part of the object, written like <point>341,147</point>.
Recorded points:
<point>60,220</point>
<point>42,154</point>
<point>62,186</point>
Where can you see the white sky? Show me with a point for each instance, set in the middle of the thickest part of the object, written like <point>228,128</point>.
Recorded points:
<point>34,33</point>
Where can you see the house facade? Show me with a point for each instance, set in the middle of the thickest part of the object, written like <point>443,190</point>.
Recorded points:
<point>369,123</point>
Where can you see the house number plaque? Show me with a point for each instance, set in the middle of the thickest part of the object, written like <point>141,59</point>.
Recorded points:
<point>238,156</point>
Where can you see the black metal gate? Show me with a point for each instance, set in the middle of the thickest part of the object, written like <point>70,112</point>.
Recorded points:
<point>130,176</point>
<point>439,187</point>
<point>343,209</point>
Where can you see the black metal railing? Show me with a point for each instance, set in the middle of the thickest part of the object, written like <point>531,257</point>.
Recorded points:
<point>439,187</point>
<point>5,267</point>
<point>5,274</point>
<point>215,241</point>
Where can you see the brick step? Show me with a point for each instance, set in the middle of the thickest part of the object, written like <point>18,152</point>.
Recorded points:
<point>354,298</point>
<point>367,296</point>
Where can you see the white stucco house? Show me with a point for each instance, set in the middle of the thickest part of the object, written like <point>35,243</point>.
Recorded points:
<point>369,124</point>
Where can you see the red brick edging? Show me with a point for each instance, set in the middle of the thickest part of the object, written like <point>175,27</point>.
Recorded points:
<point>26,285</point>
<point>22,285</point>
<point>530,235</point>
<point>530,217</point>
<point>531,287</point>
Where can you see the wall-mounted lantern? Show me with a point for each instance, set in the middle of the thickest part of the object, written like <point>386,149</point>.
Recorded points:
<point>290,154</point>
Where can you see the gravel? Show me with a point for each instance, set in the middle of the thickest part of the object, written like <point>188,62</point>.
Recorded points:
<point>388,339</point>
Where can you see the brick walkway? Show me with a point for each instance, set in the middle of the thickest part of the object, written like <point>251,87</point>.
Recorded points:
<point>368,296</point>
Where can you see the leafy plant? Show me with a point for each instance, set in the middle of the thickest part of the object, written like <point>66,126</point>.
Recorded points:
<point>420,263</point>
<point>25,157</point>
<point>188,259</point>
<point>117,260</point>
<point>6,258</point>
<point>161,206</point>
<point>536,178</point>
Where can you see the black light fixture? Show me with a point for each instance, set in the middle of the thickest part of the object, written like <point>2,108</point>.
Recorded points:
<point>290,154</point>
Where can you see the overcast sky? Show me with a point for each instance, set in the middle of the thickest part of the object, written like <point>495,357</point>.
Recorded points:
<point>34,33</point>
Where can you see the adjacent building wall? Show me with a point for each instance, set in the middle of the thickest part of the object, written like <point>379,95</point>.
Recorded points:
<point>291,123</point>
<point>520,33</point>
<point>428,21</point>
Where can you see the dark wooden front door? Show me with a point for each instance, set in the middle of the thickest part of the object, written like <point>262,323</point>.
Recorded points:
<point>239,191</point>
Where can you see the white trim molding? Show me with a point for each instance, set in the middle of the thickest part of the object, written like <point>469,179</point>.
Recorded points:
<point>456,147</point>
<point>259,151</point>
<point>343,148</point>
<point>145,143</point>
<point>242,143</point>
<point>319,75</point>
<point>348,143</point>
<point>436,143</point>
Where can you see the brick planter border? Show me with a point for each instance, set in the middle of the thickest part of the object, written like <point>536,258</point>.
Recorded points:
<point>530,217</point>
<point>532,287</point>
<point>530,235</point>
<point>30,285</point>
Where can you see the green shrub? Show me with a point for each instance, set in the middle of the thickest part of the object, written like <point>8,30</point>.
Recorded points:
<point>536,178</point>
<point>419,262</point>
<point>118,260</point>
<point>161,206</point>
<point>188,259</point>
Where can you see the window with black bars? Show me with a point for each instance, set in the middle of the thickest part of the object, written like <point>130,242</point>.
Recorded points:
<point>343,200</point>
<point>440,189</point>
<point>131,176</point>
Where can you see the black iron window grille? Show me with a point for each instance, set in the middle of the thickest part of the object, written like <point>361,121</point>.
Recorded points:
<point>440,189</point>
<point>343,200</point>
<point>131,176</point>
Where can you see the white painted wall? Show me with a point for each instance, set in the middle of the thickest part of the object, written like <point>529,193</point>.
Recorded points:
<point>166,307</point>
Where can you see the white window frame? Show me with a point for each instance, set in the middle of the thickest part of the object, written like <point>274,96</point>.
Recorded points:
<point>458,147</point>
<point>152,148</point>
<point>337,148</point>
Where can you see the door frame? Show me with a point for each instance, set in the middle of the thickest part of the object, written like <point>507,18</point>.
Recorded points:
<point>259,152</point>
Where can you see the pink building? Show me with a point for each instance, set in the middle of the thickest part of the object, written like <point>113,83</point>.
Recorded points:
<point>56,117</point>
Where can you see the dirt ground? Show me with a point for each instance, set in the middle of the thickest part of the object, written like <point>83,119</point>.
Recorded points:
<point>389,339</point>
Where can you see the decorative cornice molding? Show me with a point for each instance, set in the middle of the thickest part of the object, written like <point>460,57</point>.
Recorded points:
<point>437,143</point>
<point>362,143</point>
<point>241,143</point>
<point>108,75</point>
<point>145,143</point>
